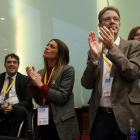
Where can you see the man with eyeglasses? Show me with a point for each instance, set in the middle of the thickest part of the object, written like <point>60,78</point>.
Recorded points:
<point>112,72</point>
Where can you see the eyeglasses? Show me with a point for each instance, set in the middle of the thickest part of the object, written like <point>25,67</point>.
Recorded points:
<point>108,19</point>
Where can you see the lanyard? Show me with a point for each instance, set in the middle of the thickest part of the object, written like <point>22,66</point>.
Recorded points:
<point>46,83</point>
<point>106,60</point>
<point>6,91</point>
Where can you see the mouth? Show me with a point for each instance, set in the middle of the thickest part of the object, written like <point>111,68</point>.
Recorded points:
<point>112,27</point>
<point>11,68</point>
<point>45,52</point>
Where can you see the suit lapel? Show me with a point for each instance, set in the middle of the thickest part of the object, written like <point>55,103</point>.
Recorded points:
<point>2,81</point>
<point>55,83</point>
<point>101,74</point>
<point>18,85</point>
<point>122,48</point>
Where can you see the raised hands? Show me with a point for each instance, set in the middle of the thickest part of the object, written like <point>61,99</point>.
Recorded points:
<point>95,46</point>
<point>107,37</point>
<point>35,77</point>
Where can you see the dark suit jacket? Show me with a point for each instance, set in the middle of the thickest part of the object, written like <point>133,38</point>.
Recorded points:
<point>125,93</point>
<point>62,103</point>
<point>23,93</point>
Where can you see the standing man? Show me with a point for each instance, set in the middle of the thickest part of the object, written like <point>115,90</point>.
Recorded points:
<point>15,98</point>
<point>112,72</point>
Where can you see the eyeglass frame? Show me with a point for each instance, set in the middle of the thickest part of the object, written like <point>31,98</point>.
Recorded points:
<point>104,19</point>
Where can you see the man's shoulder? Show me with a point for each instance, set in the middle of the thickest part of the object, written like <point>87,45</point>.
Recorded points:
<point>132,42</point>
<point>2,73</point>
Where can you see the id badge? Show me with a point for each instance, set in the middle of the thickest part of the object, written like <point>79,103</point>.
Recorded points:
<point>139,81</point>
<point>6,101</point>
<point>107,87</point>
<point>43,115</point>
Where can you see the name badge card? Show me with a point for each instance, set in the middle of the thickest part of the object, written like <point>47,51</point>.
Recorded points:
<point>107,87</point>
<point>43,115</point>
<point>6,101</point>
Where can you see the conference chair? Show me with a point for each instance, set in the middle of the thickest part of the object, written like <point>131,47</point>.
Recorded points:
<point>26,128</point>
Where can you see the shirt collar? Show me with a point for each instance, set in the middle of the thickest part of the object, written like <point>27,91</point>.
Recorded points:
<point>117,41</point>
<point>9,76</point>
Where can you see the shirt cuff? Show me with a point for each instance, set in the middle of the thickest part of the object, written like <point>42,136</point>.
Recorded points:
<point>96,63</point>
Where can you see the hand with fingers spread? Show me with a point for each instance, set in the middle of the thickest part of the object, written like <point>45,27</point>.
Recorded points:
<point>35,77</point>
<point>107,37</point>
<point>95,46</point>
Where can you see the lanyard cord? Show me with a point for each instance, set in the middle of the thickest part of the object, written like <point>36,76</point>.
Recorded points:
<point>6,91</point>
<point>45,81</point>
<point>106,60</point>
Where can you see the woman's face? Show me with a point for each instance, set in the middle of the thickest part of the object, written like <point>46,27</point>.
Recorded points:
<point>51,51</point>
<point>137,35</point>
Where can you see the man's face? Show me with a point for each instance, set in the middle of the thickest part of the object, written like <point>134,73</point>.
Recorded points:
<point>112,23</point>
<point>11,66</point>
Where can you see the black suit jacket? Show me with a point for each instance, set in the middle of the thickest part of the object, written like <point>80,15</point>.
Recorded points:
<point>22,91</point>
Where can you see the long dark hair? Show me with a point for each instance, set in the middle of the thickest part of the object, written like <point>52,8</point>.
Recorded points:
<point>63,59</point>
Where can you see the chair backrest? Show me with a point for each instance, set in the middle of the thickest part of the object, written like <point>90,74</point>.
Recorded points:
<point>85,135</point>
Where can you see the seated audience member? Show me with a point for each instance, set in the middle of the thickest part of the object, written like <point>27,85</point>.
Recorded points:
<point>15,97</point>
<point>134,34</point>
<point>54,88</point>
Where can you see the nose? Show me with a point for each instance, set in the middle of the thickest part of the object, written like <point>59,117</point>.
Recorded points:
<point>48,47</point>
<point>12,63</point>
<point>112,20</point>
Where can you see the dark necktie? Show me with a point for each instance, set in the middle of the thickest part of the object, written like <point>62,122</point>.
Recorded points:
<point>10,81</point>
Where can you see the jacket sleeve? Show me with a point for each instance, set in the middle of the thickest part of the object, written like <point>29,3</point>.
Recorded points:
<point>25,98</point>
<point>65,83</point>
<point>128,65</point>
<point>90,74</point>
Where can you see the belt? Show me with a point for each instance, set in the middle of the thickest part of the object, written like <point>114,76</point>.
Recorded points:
<point>105,109</point>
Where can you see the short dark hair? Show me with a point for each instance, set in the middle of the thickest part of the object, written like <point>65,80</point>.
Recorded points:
<point>12,56</point>
<point>106,9</point>
<point>132,33</point>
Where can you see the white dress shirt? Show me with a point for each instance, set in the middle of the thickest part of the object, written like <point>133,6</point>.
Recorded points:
<point>12,92</point>
<point>105,101</point>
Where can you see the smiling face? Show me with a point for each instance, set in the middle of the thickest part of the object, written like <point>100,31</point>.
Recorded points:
<point>11,66</point>
<point>112,23</point>
<point>51,51</point>
<point>137,35</point>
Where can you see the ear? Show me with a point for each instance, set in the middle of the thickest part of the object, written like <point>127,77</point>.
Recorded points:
<point>99,25</point>
<point>120,23</point>
<point>4,65</point>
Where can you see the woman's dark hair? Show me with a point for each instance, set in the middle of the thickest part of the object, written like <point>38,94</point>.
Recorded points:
<point>133,32</point>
